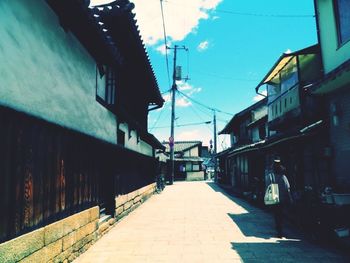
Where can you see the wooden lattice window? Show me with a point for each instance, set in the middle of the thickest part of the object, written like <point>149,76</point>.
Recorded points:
<point>106,85</point>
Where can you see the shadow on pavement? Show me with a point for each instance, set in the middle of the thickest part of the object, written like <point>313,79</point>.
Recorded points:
<point>237,200</point>
<point>285,251</point>
<point>261,245</point>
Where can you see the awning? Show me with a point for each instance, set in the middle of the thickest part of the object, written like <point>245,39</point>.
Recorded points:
<point>338,78</point>
<point>283,61</point>
<point>263,144</point>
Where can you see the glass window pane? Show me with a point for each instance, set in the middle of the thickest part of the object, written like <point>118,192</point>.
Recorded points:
<point>101,87</point>
<point>343,20</point>
<point>289,75</point>
<point>273,91</point>
<point>195,167</point>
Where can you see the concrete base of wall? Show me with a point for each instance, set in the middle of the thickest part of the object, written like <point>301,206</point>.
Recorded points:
<point>126,203</point>
<point>195,176</point>
<point>61,241</point>
<point>65,240</point>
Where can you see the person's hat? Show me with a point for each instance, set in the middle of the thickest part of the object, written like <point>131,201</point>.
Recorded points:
<point>277,159</point>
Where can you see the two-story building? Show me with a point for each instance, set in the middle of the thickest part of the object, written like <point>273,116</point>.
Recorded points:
<point>76,88</point>
<point>333,26</point>
<point>241,166</point>
<point>187,160</point>
<point>296,122</point>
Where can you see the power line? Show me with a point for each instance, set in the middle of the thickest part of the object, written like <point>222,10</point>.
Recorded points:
<point>156,122</point>
<point>203,105</point>
<point>264,15</point>
<point>165,43</point>
<point>222,77</point>
<point>183,125</point>
<point>165,92</point>
<point>192,107</point>
<point>253,14</point>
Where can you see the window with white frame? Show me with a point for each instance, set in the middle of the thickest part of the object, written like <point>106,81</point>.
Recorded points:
<point>196,167</point>
<point>105,85</point>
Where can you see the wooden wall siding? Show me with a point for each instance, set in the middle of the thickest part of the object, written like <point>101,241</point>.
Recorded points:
<point>340,140</point>
<point>48,172</point>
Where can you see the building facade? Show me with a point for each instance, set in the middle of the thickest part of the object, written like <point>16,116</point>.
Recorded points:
<point>187,160</point>
<point>334,37</point>
<point>73,134</point>
<point>242,166</point>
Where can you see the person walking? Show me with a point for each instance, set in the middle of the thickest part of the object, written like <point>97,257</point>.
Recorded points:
<point>278,176</point>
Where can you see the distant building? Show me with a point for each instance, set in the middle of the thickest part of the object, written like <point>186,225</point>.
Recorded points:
<point>296,121</point>
<point>289,122</point>
<point>208,162</point>
<point>187,160</point>
<point>241,163</point>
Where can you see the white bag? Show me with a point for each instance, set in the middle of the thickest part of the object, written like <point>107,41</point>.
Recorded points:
<point>272,194</point>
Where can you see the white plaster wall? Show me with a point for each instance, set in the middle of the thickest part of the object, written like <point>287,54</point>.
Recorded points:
<point>132,144</point>
<point>195,176</point>
<point>255,134</point>
<point>194,151</point>
<point>333,54</point>
<point>191,152</point>
<point>259,113</point>
<point>46,72</point>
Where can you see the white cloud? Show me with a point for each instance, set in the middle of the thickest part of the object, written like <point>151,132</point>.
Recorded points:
<point>182,102</point>
<point>203,46</point>
<point>259,97</point>
<point>182,86</point>
<point>191,135</point>
<point>167,97</point>
<point>187,88</point>
<point>194,91</point>
<point>161,49</point>
<point>181,18</point>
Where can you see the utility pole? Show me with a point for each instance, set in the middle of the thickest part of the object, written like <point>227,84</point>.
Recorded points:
<point>215,147</point>
<point>171,139</point>
<point>173,92</point>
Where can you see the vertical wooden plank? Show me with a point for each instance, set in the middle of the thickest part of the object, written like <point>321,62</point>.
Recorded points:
<point>18,177</point>
<point>62,185</point>
<point>45,148</point>
<point>39,153</point>
<point>5,176</point>
<point>67,172</point>
<point>57,171</point>
<point>85,171</point>
<point>48,175</point>
<point>28,214</point>
<point>75,165</point>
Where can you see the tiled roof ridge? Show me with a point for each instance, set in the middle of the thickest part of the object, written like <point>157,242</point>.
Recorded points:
<point>126,7</point>
<point>166,142</point>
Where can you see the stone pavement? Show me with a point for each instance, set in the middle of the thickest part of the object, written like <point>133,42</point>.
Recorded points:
<point>198,222</point>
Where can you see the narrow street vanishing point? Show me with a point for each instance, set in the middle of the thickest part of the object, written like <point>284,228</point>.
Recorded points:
<point>199,222</point>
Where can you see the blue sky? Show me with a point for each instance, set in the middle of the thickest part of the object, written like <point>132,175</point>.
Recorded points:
<point>232,45</point>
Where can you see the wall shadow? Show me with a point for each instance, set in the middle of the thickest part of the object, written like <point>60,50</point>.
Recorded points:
<point>286,251</point>
<point>239,201</point>
<point>260,243</point>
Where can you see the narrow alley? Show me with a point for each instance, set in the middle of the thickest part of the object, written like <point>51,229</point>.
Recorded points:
<point>199,222</point>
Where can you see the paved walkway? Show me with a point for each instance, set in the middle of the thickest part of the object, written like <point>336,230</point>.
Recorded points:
<point>197,222</point>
